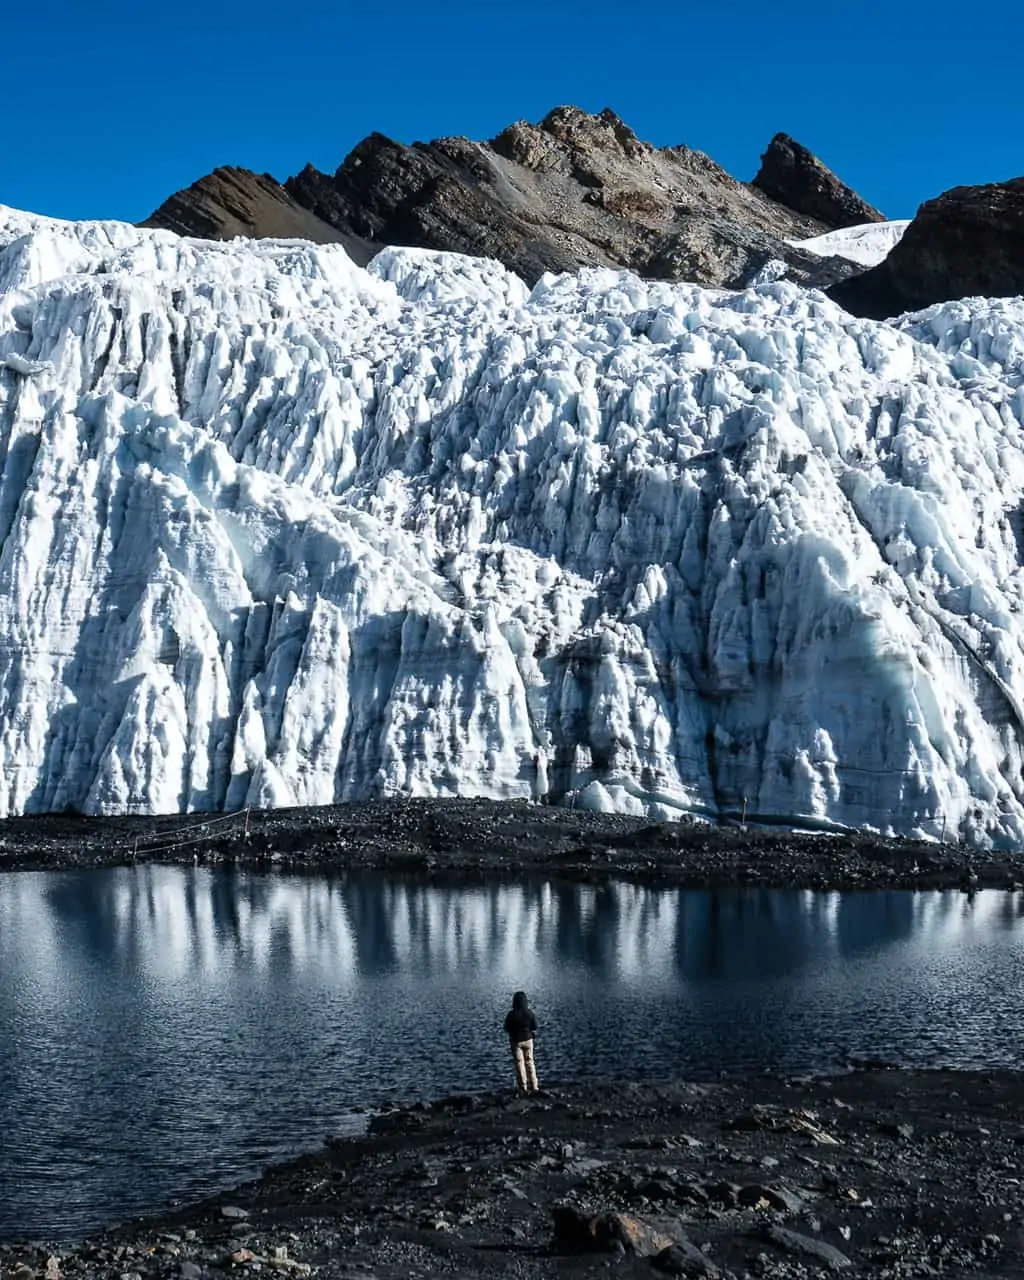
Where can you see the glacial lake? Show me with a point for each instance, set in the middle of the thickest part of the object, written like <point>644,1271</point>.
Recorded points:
<point>167,1032</point>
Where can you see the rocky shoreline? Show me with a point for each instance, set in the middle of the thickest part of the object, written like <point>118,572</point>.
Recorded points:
<point>875,1173</point>
<point>473,840</point>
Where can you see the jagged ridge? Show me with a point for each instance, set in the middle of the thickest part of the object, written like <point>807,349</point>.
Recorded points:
<point>233,202</point>
<point>574,190</point>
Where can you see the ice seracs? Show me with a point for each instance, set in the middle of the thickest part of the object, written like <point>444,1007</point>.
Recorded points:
<point>278,530</point>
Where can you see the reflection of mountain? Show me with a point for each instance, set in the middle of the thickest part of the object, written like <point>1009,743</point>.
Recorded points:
<point>173,921</point>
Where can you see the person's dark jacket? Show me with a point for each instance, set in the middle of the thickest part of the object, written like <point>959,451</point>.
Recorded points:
<point>520,1022</point>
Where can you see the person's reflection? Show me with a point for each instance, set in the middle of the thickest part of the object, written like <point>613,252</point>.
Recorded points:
<point>713,952</point>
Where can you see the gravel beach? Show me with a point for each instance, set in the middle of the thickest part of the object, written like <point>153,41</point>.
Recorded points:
<point>472,840</point>
<point>875,1173</point>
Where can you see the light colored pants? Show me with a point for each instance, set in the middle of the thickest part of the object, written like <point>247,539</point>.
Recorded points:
<point>526,1072</point>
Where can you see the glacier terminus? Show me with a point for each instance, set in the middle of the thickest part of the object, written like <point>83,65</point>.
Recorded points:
<point>279,530</point>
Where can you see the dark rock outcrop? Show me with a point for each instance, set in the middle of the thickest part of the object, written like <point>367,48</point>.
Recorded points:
<point>795,177</point>
<point>968,241</point>
<point>233,202</point>
<point>574,190</point>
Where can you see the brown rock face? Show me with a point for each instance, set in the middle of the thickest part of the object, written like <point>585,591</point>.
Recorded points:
<point>574,190</point>
<point>237,202</point>
<point>967,242</point>
<point>796,178</point>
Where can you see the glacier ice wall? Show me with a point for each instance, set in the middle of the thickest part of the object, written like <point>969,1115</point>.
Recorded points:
<point>277,530</point>
<point>867,244</point>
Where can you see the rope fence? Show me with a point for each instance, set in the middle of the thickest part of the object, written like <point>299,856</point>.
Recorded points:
<point>193,834</point>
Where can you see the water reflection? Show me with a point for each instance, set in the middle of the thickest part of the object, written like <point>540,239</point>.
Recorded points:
<point>166,1031</point>
<point>186,921</point>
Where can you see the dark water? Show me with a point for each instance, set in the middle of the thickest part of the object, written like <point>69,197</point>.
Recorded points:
<point>166,1032</point>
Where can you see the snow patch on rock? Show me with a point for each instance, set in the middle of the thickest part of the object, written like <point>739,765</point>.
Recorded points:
<point>867,244</point>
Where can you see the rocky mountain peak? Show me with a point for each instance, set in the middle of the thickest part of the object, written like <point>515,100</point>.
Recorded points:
<point>796,178</point>
<point>568,136</point>
<point>603,132</point>
<point>233,202</point>
<point>571,190</point>
<point>229,198</point>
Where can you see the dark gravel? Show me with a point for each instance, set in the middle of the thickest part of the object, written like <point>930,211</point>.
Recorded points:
<point>876,1173</point>
<point>472,840</point>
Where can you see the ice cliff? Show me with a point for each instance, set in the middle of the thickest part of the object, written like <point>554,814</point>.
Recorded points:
<point>275,529</point>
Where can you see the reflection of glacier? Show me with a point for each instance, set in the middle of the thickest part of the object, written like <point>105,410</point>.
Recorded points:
<point>165,1032</point>
<point>172,922</point>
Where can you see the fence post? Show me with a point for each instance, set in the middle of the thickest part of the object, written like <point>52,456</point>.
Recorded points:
<point>743,819</point>
<point>943,839</point>
<point>246,831</point>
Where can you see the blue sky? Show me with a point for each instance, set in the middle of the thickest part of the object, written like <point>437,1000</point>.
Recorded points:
<point>113,105</point>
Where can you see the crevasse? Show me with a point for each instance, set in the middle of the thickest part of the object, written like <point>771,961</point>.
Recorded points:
<point>278,530</point>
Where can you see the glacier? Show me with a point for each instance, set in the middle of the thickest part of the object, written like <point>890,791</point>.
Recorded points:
<point>278,530</point>
<point>867,243</point>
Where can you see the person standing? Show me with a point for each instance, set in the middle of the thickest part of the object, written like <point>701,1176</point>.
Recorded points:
<point>521,1026</point>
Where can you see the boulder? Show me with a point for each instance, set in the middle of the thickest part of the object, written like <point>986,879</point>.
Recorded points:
<point>610,1232</point>
<point>819,1251</point>
<point>685,1259</point>
<point>756,1195</point>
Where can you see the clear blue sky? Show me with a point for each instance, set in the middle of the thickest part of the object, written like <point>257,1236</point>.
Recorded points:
<point>110,105</point>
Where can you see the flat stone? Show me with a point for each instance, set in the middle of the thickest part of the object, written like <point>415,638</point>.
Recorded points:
<point>807,1247</point>
<point>233,1213</point>
<point>781,1198</point>
<point>684,1259</point>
